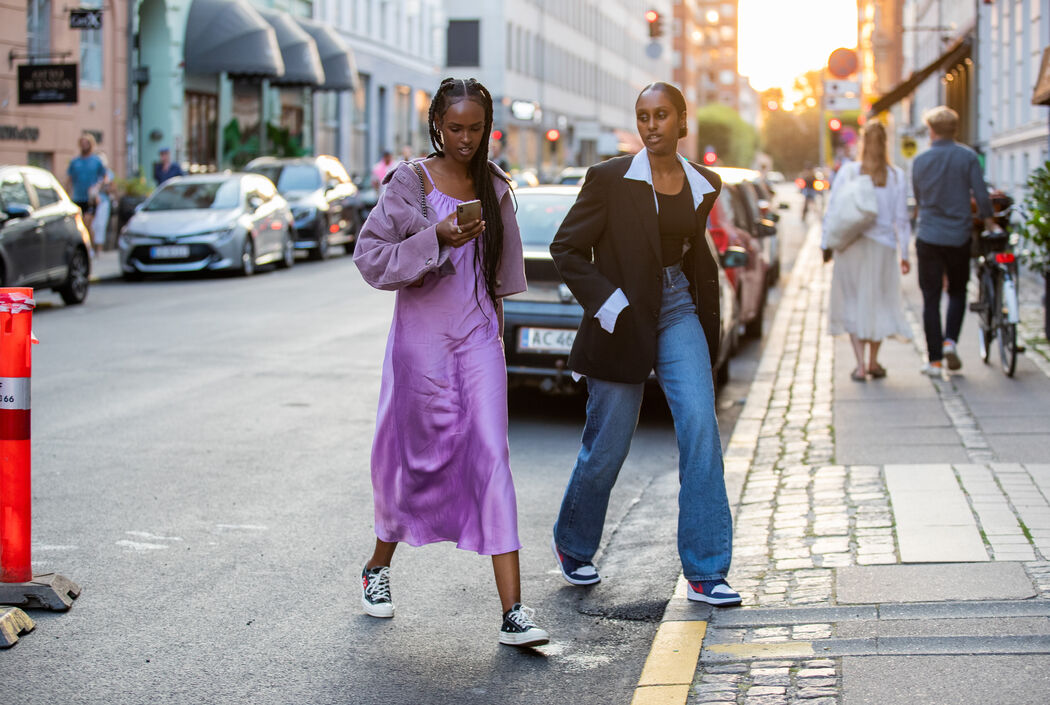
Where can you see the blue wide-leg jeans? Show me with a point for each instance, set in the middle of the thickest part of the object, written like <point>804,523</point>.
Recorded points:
<point>683,370</point>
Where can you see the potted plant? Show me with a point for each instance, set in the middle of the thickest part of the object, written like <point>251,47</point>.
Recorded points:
<point>130,193</point>
<point>1036,253</point>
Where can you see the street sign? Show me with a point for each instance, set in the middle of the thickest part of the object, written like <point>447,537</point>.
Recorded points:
<point>85,18</point>
<point>47,83</point>
<point>834,103</point>
<point>908,147</point>
<point>842,88</point>
<point>842,63</point>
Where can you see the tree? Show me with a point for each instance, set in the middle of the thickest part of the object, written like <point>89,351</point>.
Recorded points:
<point>792,139</point>
<point>721,127</point>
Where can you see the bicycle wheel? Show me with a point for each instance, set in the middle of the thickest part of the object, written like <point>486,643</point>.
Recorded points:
<point>1006,332</point>
<point>984,317</point>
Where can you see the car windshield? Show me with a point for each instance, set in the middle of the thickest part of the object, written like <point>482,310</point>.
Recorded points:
<point>291,177</point>
<point>196,195</point>
<point>540,215</point>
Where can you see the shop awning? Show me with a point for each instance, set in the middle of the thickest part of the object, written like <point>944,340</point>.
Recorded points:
<point>302,63</point>
<point>337,58</point>
<point>230,36</point>
<point>1041,94</point>
<point>955,53</point>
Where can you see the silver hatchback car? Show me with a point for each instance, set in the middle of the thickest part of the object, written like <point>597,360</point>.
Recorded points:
<point>209,222</point>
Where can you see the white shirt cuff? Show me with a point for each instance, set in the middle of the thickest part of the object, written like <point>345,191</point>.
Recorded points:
<point>610,310</point>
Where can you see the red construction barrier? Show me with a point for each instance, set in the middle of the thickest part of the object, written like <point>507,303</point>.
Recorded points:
<point>16,338</point>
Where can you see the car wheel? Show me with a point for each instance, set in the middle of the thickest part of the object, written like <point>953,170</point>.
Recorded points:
<point>248,257</point>
<point>287,251</point>
<point>322,251</point>
<point>753,328</point>
<point>75,288</point>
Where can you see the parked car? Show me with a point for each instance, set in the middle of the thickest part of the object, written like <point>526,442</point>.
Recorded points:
<point>756,205</point>
<point>367,197</point>
<point>540,324</point>
<point>523,178</point>
<point>322,197</point>
<point>43,240</point>
<point>572,175</point>
<point>729,226</point>
<point>209,222</point>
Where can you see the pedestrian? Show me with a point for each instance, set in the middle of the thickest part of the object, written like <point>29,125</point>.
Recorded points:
<point>165,168</point>
<point>944,178</point>
<point>84,174</point>
<point>103,209</point>
<point>866,281</point>
<point>380,170</point>
<point>440,455</point>
<point>634,251</point>
<point>809,190</point>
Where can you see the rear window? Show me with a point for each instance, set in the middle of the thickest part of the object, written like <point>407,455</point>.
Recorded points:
<point>540,216</point>
<point>291,177</point>
<point>201,195</point>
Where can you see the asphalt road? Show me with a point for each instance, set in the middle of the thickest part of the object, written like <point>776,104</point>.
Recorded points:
<point>201,470</point>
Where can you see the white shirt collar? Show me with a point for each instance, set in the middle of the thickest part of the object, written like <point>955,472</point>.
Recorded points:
<point>641,170</point>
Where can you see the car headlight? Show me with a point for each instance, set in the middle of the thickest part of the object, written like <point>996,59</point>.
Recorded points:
<point>219,235</point>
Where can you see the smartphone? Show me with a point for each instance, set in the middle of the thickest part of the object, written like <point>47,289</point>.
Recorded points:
<point>468,212</point>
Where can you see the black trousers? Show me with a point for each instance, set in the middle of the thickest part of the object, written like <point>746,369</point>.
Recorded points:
<point>936,261</point>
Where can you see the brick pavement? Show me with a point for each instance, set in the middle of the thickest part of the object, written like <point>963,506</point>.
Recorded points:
<point>800,517</point>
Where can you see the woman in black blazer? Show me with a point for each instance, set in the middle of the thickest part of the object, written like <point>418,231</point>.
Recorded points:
<point>634,251</point>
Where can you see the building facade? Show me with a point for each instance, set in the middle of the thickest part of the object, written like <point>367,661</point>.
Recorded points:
<point>45,135</point>
<point>713,30</point>
<point>399,48</point>
<point>572,67</point>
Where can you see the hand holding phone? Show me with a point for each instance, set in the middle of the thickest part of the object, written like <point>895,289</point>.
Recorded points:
<point>468,211</point>
<point>462,225</point>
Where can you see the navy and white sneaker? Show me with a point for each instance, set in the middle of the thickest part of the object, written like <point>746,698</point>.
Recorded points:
<point>713,592</point>
<point>574,571</point>
<point>375,592</point>
<point>519,630</point>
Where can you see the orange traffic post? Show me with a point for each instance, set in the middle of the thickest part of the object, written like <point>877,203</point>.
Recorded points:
<point>18,585</point>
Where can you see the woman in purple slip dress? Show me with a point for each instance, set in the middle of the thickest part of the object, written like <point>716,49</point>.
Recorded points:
<point>440,456</point>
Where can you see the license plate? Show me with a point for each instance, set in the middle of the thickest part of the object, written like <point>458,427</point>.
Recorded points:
<point>169,252</point>
<point>545,340</point>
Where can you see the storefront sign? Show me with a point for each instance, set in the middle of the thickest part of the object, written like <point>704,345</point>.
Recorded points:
<point>19,134</point>
<point>47,83</point>
<point>82,18</point>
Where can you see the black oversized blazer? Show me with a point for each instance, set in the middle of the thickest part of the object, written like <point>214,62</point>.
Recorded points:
<point>610,239</point>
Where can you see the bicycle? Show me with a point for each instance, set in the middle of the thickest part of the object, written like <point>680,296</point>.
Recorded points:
<point>996,306</point>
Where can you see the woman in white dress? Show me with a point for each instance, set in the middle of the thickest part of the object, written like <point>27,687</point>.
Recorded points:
<point>865,285</point>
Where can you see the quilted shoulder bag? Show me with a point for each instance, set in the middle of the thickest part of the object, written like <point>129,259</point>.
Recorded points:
<point>853,211</point>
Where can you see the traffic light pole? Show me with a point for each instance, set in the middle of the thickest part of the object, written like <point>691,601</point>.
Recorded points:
<point>823,123</point>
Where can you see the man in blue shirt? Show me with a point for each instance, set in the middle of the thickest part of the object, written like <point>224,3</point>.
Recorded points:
<point>86,173</point>
<point>943,178</point>
<point>165,168</point>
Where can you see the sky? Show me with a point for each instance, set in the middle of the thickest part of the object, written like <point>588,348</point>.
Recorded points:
<point>781,39</point>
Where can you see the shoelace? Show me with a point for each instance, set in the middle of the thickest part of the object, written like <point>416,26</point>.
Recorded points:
<point>522,617</point>
<point>379,586</point>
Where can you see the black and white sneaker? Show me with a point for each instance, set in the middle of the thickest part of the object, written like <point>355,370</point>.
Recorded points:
<point>575,572</point>
<point>519,630</point>
<point>375,592</point>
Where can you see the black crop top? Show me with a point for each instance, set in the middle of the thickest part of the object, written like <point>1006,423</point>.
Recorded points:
<point>677,221</point>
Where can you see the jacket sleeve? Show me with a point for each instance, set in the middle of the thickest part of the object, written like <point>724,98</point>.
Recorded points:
<point>573,245</point>
<point>396,245</point>
<point>979,188</point>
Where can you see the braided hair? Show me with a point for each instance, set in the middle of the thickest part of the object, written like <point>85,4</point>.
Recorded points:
<point>451,91</point>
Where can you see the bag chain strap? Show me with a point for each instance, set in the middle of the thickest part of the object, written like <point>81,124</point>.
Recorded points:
<point>422,189</point>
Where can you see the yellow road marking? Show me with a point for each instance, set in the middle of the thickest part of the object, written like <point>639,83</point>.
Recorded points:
<point>674,654</point>
<point>660,695</point>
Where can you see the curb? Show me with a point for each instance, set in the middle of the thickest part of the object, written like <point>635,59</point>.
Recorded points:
<point>670,668</point>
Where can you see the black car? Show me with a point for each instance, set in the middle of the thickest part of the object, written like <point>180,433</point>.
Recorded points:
<point>540,324</point>
<point>43,241</point>
<point>322,197</point>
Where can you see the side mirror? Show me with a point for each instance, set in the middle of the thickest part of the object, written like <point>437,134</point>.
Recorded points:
<point>734,256</point>
<point>17,210</point>
<point>766,228</point>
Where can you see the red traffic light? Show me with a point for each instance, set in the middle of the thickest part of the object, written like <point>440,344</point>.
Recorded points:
<point>652,16</point>
<point>710,158</point>
<point>497,135</point>
<point>656,24</point>
<point>835,124</point>
<point>553,135</point>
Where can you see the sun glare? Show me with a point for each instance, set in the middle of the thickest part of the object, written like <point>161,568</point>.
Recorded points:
<point>780,40</point>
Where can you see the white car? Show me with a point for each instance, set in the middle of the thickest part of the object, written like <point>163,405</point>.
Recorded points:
<point>208,222</point>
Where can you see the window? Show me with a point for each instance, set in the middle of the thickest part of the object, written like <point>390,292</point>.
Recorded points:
<point>38,30</point>
<point>44,160</point>
<point>13,189</point>
<point>464,46</point>
<point>45,187</point>
<point>91,51</point>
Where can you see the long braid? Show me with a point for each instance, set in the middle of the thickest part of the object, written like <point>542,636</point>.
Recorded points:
<point>486,257</point>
